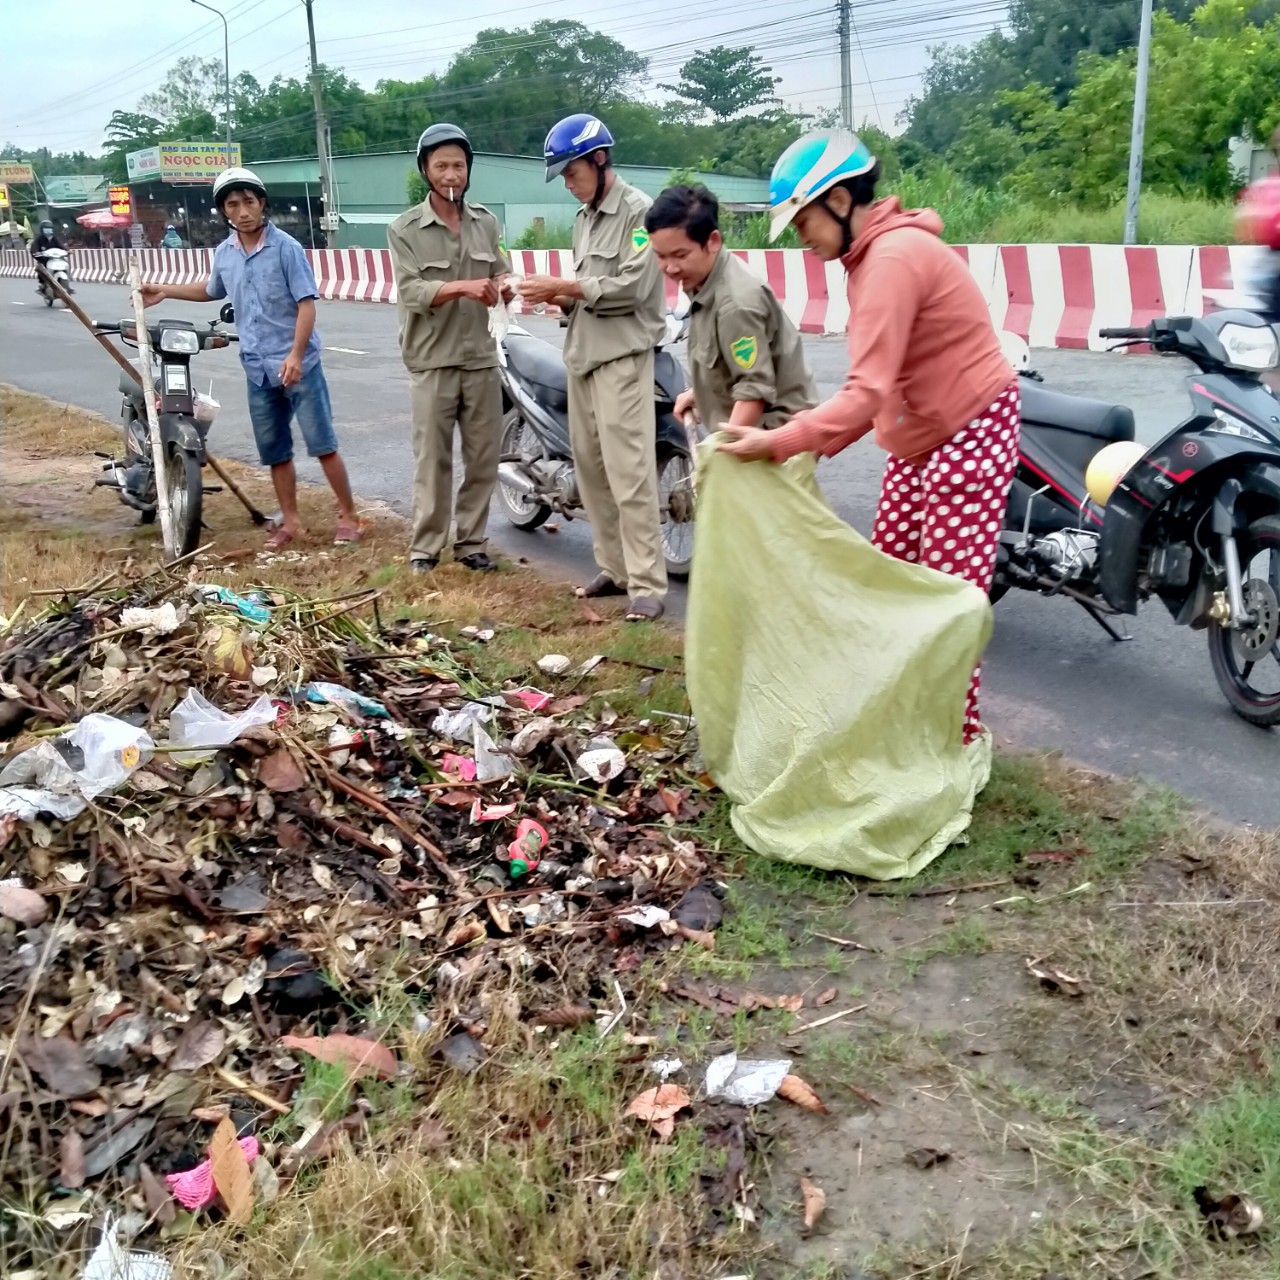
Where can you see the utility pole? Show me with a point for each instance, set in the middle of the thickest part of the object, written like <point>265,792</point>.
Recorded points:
<point>322,132</point>
<point>1139,127</point>
<point>226,70</point>
<point>846,66</point>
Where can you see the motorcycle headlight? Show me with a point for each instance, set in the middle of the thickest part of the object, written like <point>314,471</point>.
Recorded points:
<point>179,341</point>
<point>1249,348</point>
<point>1227,424</point>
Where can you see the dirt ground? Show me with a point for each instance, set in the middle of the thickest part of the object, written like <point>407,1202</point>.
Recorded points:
<point>1028,1058</point>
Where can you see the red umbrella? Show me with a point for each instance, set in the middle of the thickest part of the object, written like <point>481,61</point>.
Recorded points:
<point>104,219</point>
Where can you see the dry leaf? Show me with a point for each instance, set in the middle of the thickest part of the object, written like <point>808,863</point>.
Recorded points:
<point>211,1115</point>
<point>815,1203</point>
<point>826,997</point>
<point>71,1173</point>
<point>658,1107</point>
<point>231,1175</point>
<point>1055,980</point>
<point>60,1063</point>
<point>792,1004</point>
<point>796,1090</point>
<point>160,1203</point>
<point>201,1043</point>
<point>279,771</point>
<point>589,615</point>
<point>361,1057</point>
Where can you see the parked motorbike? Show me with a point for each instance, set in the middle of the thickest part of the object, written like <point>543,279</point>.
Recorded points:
<point>1195,521</point>
<point>536,475</point>
<point>57,262</point>
<point>185,418</point>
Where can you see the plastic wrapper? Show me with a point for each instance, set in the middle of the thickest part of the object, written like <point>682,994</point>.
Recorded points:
<point>196,722</point>
<point>59,776</point>
<point>749,1082</point>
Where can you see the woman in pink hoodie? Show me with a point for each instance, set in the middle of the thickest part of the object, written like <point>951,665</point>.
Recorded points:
<point>926,368</point>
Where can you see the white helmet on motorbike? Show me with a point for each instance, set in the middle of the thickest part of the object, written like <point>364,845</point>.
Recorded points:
<point>1016,351</point>
<point>237,179</point>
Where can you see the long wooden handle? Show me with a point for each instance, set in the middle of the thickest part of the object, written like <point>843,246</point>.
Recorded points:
<point>76,310</point>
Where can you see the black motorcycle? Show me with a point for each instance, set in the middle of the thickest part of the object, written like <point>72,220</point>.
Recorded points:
<point>536,476</point>
<point>185,419</point>
<point>1195,521</point>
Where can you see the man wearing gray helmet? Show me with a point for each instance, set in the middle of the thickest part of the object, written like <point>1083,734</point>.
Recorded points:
<point>450,268</point>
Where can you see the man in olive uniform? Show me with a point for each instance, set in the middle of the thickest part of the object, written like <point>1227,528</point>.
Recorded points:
<point>616,307</point>
<point>746,360</point>
<point>449,268</point>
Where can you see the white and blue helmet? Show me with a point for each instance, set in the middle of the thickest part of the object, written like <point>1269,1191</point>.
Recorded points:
<point>571,138</point>
<point>809,168</point>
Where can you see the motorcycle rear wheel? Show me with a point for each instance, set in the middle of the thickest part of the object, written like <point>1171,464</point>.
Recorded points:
<point>1237,655</point>
<point>522,509</point>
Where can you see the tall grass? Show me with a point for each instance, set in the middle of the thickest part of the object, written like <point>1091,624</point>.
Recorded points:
<point>976,215</point>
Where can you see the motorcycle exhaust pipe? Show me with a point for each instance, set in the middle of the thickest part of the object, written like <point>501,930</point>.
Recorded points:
<point>514,478</point>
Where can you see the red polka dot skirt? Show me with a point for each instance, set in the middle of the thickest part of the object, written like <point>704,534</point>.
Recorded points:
<point>947,512</point>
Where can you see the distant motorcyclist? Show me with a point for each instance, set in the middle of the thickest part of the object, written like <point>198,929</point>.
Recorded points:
<point>171,238</point>
<point>45,240</point>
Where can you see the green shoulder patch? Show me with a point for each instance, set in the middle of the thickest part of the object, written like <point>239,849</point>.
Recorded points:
<point>640,238</point>
<point>744,351</point>
<point>502,248</point>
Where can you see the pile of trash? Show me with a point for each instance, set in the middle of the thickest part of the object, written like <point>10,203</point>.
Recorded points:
<point>230,824</point>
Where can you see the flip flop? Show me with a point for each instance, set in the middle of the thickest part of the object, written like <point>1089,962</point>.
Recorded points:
<point>280,539</point>
<point>599,586</point>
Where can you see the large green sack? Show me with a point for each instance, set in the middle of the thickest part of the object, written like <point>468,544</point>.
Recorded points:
<point>828,679</point>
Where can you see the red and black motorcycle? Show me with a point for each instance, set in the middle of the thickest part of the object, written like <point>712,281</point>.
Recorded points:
<point>1194,521</point>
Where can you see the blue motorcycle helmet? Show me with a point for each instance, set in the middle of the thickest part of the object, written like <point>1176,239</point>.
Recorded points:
<point>572,138</point>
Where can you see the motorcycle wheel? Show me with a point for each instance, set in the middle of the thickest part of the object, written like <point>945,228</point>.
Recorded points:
<point>1247,663</point>
<point>676,509</point>
<point>522,509</point>
<point>186,497</point>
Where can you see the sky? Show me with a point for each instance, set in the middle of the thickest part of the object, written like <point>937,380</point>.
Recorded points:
<point>67,64</point>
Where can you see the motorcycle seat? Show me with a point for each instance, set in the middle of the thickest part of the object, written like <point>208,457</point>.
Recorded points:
<point>541,365</point>
<point>128,386</point>
<point>1096,418</point>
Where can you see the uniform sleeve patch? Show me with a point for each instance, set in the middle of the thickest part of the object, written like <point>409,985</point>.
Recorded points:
<point>640,238</point>
<point>744,352</point>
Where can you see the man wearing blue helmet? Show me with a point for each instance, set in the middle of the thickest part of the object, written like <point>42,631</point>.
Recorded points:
<point>616,305</point>
<point>926,369</point>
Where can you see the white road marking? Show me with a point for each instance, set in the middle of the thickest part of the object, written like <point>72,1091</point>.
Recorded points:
<point>347,351</point>
<point>12,303</point>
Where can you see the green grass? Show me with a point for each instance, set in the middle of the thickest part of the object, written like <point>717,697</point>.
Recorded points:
<point>1030,806</point>
<point>968,938</point>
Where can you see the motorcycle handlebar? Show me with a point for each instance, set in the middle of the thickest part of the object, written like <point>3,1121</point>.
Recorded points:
<point>1124,333</point>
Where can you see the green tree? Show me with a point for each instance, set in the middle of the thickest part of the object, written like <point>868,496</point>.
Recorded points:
<point>726,80</point>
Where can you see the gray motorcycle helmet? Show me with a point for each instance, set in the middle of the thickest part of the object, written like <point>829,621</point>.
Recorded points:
<point>437,135</point>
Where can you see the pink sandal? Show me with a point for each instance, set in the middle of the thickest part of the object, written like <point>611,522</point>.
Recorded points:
<point>280,539</point>
<point>349,531</point>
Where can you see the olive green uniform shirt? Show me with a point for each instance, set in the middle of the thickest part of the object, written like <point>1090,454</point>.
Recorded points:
<point>426,254</point>
<point>623,302</point>
<point>743,346</point>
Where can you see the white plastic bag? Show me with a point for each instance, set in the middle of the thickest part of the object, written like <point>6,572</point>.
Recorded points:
<point>196,722</point>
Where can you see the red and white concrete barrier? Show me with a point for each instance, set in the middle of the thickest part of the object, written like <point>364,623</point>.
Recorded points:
<point>1051,295</point>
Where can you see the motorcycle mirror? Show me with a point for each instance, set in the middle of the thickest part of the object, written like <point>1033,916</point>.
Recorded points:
<point>228,314</point>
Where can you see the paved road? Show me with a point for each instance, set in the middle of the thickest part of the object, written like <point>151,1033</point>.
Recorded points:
<point>1052,678</point>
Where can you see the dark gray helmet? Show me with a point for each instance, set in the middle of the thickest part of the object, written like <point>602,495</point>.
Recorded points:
<point>437,135</point>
